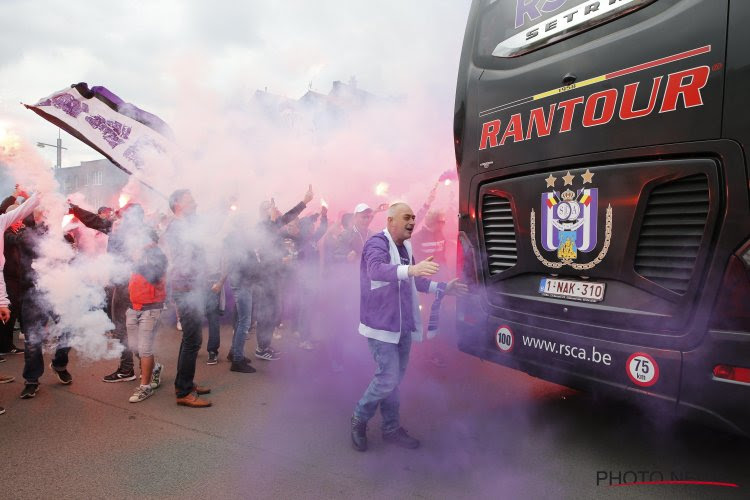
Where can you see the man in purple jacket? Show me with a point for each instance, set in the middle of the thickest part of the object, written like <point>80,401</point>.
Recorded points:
<point>389,315</point>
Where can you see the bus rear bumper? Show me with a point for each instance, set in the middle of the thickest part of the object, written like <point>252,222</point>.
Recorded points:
<point>683,381</point>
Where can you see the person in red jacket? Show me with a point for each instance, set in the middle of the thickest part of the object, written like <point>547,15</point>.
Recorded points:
<point>147,290</point>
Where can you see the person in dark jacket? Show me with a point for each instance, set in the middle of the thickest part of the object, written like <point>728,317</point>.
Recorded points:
<point>11,270</point>
<point>37,314</point>
<point>187,278</point>
<point>271,256</point>
<point>306,274</point>
<point>389,316</point>
<point>117,292</point>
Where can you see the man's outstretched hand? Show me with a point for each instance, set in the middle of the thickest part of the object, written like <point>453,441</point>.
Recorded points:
<point>425,268</point>
<point>455,287</point>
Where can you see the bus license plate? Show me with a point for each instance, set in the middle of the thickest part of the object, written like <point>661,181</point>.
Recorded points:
<point>585,291</point>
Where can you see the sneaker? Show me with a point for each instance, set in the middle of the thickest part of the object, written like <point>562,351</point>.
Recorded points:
<point>155,377</point>
<point>179,326</point>
<point>2,410</point>
<point>13,350</point>
<point>359,434</point>
<point>143,392</point>
<point>306,345</point>
<point>63,375</point>
<point>268,354</point>
<point>242,367</point>
<point>2,359</point>
<point>29,391</point>
<point>213,358</point>
<point>401,438</point>
<point>119,376</point>
<point>6,379</point>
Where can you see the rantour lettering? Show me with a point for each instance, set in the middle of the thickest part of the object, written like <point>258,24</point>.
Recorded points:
<point>682,89</point>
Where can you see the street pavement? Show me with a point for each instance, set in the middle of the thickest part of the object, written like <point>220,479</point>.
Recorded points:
<point>283,432</point>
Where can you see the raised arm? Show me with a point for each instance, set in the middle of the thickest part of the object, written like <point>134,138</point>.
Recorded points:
<point>91,220</point>
<point>19,213</point>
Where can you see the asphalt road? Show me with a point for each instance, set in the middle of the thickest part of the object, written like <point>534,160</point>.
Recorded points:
<point>486,431</point>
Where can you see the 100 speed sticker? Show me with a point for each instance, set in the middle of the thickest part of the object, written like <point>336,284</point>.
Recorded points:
<point>504,339</point>
<point>642,369</point>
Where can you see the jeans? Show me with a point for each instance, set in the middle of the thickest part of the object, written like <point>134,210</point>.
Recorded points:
<point>243,299</point>
<point>266,299</point>
<point>119,302</point>
<point>36,323</point>
<point>191,306</point>
<point>391,361</point>
<point>212,317</point>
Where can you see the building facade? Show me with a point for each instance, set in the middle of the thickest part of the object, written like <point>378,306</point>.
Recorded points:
<point>99,181</point>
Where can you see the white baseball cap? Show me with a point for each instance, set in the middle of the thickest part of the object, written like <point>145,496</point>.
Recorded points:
<point>362,207</point>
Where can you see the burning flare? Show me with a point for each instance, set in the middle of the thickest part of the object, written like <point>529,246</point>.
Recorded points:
<point>323,203</point>
<point>9,141</point>
<point>67,219</point>
<point>381,189</point>
<point>123,200</point>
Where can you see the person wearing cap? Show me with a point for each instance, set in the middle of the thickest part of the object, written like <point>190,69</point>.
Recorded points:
<point>389,315</point>
<point>363,215</point>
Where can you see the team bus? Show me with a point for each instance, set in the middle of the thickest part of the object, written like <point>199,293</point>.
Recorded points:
<point>604,226</point>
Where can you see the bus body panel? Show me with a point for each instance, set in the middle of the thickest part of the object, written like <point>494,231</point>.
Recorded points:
<point>639,127</point>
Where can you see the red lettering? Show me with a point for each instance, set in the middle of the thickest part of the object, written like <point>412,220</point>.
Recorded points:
<point>568,108</point>
<point>514,129</point>
<point>690,92</point>
<point>610,101</point>
<point>536,120</point>
<point>489,134</point>
<point>628,100</point>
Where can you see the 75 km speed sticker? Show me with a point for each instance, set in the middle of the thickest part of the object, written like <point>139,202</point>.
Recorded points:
<point>504,339</point>
<point>642,369</point>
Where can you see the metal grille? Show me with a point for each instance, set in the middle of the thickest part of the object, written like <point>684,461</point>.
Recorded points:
<point>499,233</point>
<point>672,230</point>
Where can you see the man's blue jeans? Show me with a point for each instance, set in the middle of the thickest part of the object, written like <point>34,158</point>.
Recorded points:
<point>391,361</point>
<point>192,308</point>
<point>212,317</point>
<point>243,299</point>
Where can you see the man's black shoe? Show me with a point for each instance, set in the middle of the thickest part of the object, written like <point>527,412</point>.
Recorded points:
<point>359,434</point>
<point>401,438</point>
<point>242,367</point>
<point>29,391</point>
<point>119,376</point>
<point>63,376</point>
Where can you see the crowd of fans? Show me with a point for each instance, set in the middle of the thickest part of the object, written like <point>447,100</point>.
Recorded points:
<point>273,271</point>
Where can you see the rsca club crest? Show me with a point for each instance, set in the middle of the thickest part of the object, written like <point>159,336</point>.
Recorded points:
<point>569,223</point>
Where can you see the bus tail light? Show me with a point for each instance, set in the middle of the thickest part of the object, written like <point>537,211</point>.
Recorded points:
<point>733,373</point>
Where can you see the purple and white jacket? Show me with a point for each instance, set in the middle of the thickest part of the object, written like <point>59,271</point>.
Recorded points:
<point>381,277</point>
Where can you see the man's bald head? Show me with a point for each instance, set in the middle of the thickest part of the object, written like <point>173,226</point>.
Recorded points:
<point>400,222</point>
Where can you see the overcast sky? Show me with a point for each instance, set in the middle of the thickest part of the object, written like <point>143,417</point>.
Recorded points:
<point>142,50</point>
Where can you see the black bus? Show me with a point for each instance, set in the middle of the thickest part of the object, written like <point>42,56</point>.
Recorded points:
<point>604,212</point>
